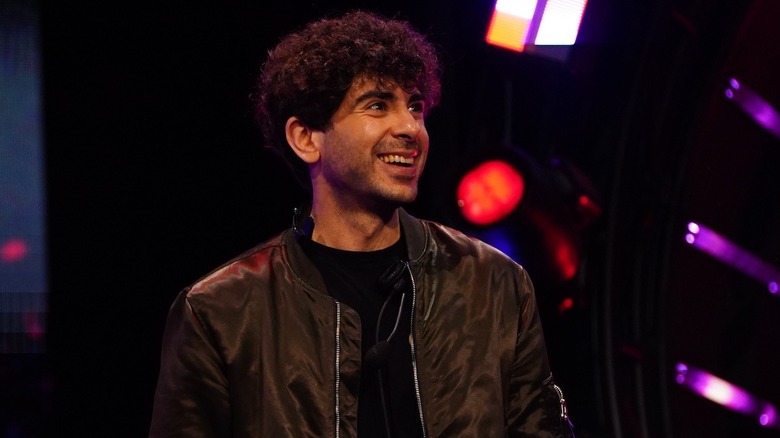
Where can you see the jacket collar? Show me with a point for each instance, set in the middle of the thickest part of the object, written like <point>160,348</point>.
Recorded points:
<point>295,238</point>
<point>414,235</point>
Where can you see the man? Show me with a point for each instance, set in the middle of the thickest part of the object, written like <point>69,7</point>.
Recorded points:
<point>360,320</point>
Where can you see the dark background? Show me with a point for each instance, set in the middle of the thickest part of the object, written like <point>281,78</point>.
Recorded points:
<point>156,175</point>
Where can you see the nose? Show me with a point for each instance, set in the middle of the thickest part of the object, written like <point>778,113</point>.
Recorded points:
<point>407,125</point>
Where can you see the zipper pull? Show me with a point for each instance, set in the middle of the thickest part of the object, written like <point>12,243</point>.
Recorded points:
<point>564,409</point>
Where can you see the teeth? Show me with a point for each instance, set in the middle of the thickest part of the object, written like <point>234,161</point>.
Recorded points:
<point>391,159</point>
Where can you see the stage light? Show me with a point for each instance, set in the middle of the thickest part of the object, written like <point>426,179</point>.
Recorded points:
<point>510,22</point>
<point>560,22</point>
<point>722,249</point>
<point>726,394</point>
<point>755,106</point>
<point>560,243</point>
<point>533,212</point>
<point>13,250</point>
<point>588,210</point>
<point>566,305</point>
<point>520,25</point>
<point>490,192</point>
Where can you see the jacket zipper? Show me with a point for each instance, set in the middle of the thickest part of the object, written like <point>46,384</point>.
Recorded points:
<point>564,411</point>
<point>338,365</point>
<point>414,352</point>
<point>562,401</point>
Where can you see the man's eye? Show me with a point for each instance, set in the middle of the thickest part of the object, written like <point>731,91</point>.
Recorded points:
<point>379,106</point>
<point>417,107</point>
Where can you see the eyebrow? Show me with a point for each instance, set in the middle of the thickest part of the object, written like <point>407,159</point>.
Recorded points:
<point>375,94</point>
<point>385,95</point>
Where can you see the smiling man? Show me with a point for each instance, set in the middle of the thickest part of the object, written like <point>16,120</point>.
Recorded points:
<point>360,320</point>
<point>365,164</point>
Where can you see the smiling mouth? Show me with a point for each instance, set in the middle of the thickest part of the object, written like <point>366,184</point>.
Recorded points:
<point>398,160</point>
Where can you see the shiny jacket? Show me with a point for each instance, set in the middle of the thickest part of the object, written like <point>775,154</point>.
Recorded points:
<point>259,349</point>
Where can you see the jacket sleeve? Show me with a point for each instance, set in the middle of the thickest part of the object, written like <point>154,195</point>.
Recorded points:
<point>537,407</point>
<point>191,399</point>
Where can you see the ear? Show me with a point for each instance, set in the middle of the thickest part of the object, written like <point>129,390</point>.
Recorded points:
<point>304,141</point>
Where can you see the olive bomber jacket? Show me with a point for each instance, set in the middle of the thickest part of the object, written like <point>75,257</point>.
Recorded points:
<point>258,348</point>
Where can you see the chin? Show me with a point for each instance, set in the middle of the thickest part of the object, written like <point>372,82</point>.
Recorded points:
<point>398,199</point>
<point>407,197</point>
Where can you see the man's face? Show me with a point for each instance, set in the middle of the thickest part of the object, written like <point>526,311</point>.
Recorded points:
<point>374,152</point>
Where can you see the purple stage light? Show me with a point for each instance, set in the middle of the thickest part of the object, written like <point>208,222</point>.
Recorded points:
<point>726,394</point>
<point>710,242</point>
<point>543,27</point>
<point>755,106</point>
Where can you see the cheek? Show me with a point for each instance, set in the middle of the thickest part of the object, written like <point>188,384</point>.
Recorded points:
<point>424,140</point>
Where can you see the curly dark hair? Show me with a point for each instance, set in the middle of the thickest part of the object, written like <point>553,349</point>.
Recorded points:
<point>310,71</point>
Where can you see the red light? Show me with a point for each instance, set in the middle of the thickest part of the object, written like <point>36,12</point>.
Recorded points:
<point>566,305</point>
<point>566,258</point>
<point>13,250</point>
<point>588,209</point>
<point>560,245</point>
<point>490,192</point>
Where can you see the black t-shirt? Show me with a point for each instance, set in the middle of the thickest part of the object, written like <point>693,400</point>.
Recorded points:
<point>351,277</point>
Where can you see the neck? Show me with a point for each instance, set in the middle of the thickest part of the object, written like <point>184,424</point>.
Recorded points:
<point>354,229</point>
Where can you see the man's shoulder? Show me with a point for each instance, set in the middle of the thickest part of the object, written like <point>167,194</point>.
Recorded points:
<point>455,241</point>
<point>244,268</point>
<point>462,254</point>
